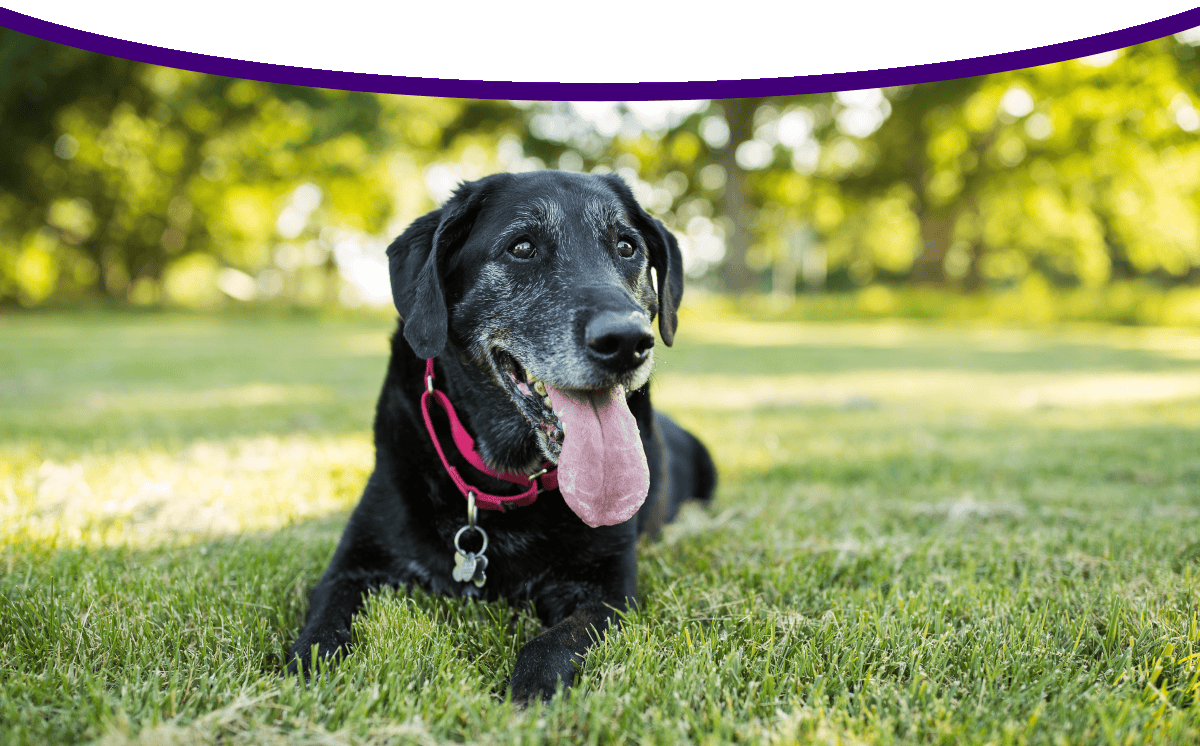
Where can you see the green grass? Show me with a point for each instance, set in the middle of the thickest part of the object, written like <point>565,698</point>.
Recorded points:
<point>924,534</point>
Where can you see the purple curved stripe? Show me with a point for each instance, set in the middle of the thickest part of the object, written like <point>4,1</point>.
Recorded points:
<point>549,91</point>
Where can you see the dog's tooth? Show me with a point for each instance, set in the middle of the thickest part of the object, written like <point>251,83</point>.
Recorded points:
<point>539,387</point>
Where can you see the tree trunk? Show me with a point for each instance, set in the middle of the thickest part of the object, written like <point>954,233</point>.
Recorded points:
<point>973,281</point>
<point>937,232</point>
<point>739,114</point>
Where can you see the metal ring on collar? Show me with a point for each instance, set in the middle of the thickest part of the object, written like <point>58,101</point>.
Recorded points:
<point>457,537</point>
<point>472,513</point>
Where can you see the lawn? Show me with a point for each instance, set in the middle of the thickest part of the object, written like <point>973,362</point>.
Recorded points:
<point>924,533</point>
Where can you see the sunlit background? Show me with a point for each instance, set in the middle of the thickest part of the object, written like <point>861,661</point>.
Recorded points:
<point>1065,191</point>
<point>943,342</point>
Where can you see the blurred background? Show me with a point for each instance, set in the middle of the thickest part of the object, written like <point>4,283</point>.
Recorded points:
<point>1069,191</point>
<point>961,510</point>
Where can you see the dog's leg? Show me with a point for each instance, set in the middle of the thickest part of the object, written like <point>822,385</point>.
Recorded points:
<point>549,660</point>
<point>334,602</point>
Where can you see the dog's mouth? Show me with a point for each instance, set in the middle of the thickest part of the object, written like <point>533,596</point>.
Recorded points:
<point>590,435</point>
<point>533,399</point>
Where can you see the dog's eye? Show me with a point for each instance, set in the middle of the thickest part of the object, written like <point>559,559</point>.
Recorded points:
<point>625,248</point>
<point>522,250</point>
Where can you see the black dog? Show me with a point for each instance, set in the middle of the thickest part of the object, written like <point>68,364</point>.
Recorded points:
<point>531,297</point>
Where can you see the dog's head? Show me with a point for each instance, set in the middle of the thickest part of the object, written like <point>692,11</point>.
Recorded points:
<point>543,281</point>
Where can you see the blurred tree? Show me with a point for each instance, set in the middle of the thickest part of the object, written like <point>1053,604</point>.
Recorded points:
<point>1075,171</point>
<point>734,201</point>
<point>112,173</point>
<point>37,80</point>
<point>142,183</point>
<point>933,167</point>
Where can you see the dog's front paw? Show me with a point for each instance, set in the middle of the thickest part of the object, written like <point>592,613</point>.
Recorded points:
<point>543,665</point>
<point>303,656</point>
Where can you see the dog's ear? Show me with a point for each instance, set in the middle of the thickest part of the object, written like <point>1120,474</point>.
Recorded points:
<point>668,266</point>
<point>417,264</point>
<point>664,258</point>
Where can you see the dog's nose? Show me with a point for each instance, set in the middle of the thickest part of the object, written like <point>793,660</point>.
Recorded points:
<point>619,341</point>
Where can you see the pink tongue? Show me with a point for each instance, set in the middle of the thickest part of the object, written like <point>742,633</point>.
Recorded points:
<point>602,469</point>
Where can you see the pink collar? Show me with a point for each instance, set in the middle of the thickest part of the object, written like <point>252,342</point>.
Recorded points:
<point>466,446</point>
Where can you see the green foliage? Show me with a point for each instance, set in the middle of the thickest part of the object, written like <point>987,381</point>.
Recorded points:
<point>151,185</point>
<point>1080,172</point>
<point>126,175</point>
<point>923,534</point>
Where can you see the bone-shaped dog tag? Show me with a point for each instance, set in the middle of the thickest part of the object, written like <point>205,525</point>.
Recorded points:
<point>464,566</point>
<point>480,577</point>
